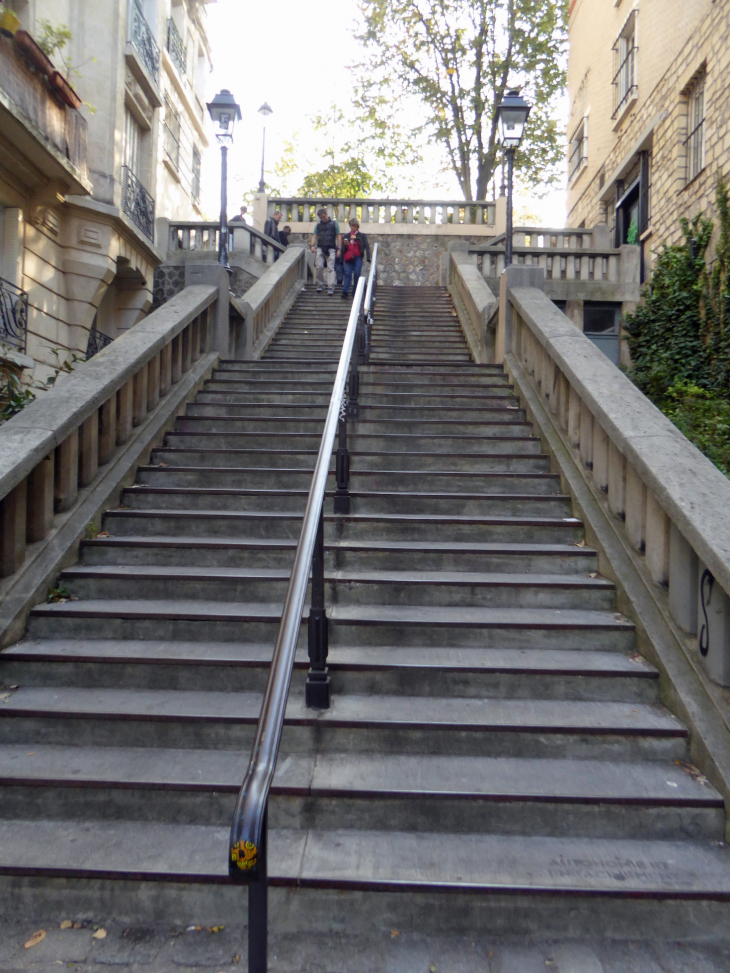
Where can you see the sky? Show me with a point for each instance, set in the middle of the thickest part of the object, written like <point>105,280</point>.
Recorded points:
<point>292,54</point>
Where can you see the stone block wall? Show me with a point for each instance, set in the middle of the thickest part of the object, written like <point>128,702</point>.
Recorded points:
<point>170,280</point>
<point>409,260</point>
<point>672,197</point>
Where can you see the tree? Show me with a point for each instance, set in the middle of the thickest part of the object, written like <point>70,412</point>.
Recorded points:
<point>366,162</point>
<point>458,58</point>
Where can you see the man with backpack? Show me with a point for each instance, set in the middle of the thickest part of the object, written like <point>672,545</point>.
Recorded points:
<point>355,249</point>
<point>326,242</point>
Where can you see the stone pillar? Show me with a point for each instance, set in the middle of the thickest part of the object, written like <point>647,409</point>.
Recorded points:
<point>214,274</point>
<point>713,638</point>
<point>260,207</point>
<point>683,571</point>
<point>514,276</point>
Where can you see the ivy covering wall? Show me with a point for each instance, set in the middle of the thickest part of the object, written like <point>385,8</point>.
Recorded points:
<point>679,337</point>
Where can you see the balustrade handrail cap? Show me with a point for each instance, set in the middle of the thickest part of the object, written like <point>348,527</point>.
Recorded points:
<point>392,201</point>
<point>691,490</point>
<point>44,424</point>
<point>260,292</point>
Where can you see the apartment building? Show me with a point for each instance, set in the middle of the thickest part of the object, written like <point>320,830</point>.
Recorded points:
<point>649,128</point>
<point>83,261</point>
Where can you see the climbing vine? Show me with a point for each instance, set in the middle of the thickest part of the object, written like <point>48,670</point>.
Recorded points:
<point>679,337</point>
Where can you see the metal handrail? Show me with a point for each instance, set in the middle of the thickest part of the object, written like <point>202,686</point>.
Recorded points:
<point>371,297</point>
<point>247,853</point>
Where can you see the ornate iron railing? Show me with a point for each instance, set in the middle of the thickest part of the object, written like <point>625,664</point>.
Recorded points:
<point>137,203</point>
<point>97,341</point>
<point>176,48</point>
<point>13,315</point>
<point>144,41</point>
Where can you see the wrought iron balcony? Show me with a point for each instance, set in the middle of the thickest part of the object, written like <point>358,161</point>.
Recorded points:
<point>144,41</point>
<point>176,48</point>
<point>137,203</point>
<point>97,341</point>
<point>13,315</point>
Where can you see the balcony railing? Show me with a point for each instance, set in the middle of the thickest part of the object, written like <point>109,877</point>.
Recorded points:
<point>144,41</point>
<point>137,203</point>
<point>176,48</point>
<point>13,315</point>
<point>97,341</point>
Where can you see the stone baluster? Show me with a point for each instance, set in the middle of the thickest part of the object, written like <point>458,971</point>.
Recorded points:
<point>89,448</point>
<point>39,502</point>
<point>107,430</point>
<point>67,471</point>
<point>125,412</point>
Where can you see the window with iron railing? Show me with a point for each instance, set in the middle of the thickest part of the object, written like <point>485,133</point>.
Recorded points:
<point>176,48</point>
<point>143,41</point>
<point>195,181</point>
<point>625,86</point>
<point>13,315</point>
<point>578,149</point>
<point>694,144</point>
<point>172,133</point>
<point>137,203</point>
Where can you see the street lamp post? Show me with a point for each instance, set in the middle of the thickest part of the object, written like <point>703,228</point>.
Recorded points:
<point>224,113</point>
<point>511,118</point>
<point>264,110</point>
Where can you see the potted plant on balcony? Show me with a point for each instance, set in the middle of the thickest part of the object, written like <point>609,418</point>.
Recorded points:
<point>33,52</point>
<point>9,22</point>
<point>62,87</point>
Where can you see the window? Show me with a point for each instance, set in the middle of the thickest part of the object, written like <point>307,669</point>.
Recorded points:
<point>195,182</point>
<point>624,81</point>
<point>578,149</point>
<point>131,142</point>
<point>172,133</point>
<point>695,141</point>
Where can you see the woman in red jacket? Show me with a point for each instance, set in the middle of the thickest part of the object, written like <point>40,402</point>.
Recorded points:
<point>355,248</point>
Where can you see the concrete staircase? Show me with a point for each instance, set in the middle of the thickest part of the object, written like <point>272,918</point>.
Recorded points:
<point>496,755</point>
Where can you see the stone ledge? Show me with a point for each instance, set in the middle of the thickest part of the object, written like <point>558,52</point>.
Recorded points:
<point>693,493</point>
<point>31,435</point>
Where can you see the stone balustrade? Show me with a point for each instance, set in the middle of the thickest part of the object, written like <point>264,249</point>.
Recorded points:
<point>558,263</point>
<point>671,500</point>
<point>242,238</point>
<point>59,442</point>
<point>393,216</point>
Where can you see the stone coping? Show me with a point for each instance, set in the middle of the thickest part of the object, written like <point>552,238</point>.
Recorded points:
<point>693,493</point>
<point>260,292</point>
<point>31,435</point>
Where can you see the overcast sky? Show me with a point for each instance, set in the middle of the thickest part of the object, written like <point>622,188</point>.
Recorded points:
<point>292,54</point>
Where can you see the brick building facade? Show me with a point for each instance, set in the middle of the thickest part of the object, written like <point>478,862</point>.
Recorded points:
<point>649,127</point>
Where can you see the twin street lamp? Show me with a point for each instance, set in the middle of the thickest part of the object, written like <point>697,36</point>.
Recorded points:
<point>511,118</point>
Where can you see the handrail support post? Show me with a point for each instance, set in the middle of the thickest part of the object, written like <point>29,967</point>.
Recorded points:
<point>258,908</point>
<point>342,457</point>
<point>317,689</point>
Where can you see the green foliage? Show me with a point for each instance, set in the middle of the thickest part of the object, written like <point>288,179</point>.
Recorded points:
<point>679,338</point>
<point>363,164</point>
<point>665,334</point>
<point>53,39</point>
<point>704,418</point>
<point>456,59</point>
<point>13,397</point>
<point>58,594</point>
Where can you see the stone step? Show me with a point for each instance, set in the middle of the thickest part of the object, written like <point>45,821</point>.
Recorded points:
<point>145,497</point>
<point>388,555</point>
<point>220,404</point>
<point>556,798</point>
<point>445,483</point>
<point>516,728</point>
<point>415,625</point>
<point>506,461</point>
<point>363,670</point>
<point>343,586</point>
<point>362,527</point>
<point>363,425</point>
<point>359,442</point>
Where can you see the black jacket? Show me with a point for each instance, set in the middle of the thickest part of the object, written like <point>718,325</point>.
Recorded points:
<point>271,229</point>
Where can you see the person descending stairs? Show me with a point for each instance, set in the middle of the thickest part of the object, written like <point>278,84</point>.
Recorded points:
<point>496,755</point>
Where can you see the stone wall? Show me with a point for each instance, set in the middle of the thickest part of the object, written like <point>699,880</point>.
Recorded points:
<point>170,280</point>
<point>406,260</point>
<point>665,107</point>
